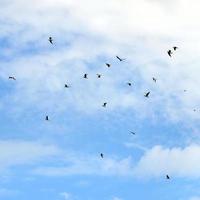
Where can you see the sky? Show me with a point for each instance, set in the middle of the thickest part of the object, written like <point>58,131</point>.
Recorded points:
<point>60,159</point>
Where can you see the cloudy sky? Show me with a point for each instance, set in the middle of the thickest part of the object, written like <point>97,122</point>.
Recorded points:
<point>60,159</point>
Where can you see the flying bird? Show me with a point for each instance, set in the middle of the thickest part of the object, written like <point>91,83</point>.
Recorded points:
<point>104,104</point>
<point>99,75</point>
<point>85,76</point>
<point>175,48</point>
<point>170,53</point>
<point>147,94</point>
<point>120,59</point>
<point>133,133</point>
<point>154,79</point>
<point>167,177</point>
<point>47,118</point>
<point>67,86</point>
<point>101,155</point>
<point>108,65</point>
<point>12,77</point>
<point>129,84</point>
<point>51,40</point>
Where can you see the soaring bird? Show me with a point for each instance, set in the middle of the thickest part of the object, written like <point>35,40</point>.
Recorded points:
<point>47,118</point>
<point>147,94</point>
<point>154,79</point>
<point>99,75</point>
<point>175,48</point>
<point>104,104</point>
<point>12,77</point>
<point>129,84</point>
<point>132,132</point>
<point>108,65</point>
<point>51,40</point>
<point>120,59</point>
<point>170,53</point>
<point>101,155</point>
<point>85,76</point>
<point>67,86</point>
<point>167,176</point>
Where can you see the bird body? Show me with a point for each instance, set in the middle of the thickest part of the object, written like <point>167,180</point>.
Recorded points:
<point>108,65</point>
<point>104,104</point>
<point>154,79</point>
<point>101,155</point>
<point>66,86</point>
<point>175,48</point>
<point>51,40</point>
<point>129,84</point>
<point>167,177</point>
<point>12,77</point>
<point>132,132</point>
<point>147,94</point>
<point>99,75</point>
<point>120,59</point>
<point>170,53</point>
<point>85,76</point>
<point>47,118</point>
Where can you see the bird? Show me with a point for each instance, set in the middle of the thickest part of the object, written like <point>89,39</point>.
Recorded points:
<point>129,84</point>
<point>154,79</point>
<point>194,110</point>
<point>104,104</point>
<point>185,90</point>
<point>99,75</point>
<point>170,53</point>
<point>51,40</point>
<point>167,176</point>
<point>85,76</point>
<point>108,65</point>
<point>101,155</point>
<point>67,86</point>
<point>147,94</point>
<point>133,133</point>
<point>120,59</point>
<point>175,48</point>
<point>12,77</point>
<point>47,118</point>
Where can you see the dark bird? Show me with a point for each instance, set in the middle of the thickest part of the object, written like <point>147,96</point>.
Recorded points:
<point>129,84</point>
<point>175,48</point>
<point>154,79</point>
<point>104,104</point>
<point>194,110</point>
<point>167,177</point>
<point>99,75</point>
<point>147,94</point>
<point>101,155</point>
<point>12,77</point>
<point>51,40</point>
<point>120,59</point>
<point>133,133</point>
<point>85,76</point>
<point>108,65</point>
<point>170,53</point>
<point>47,118</point>
<point>67,86</point>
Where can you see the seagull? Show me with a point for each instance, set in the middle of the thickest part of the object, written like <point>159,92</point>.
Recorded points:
<point>175,48</point>
<point>67,86</point>
<point>12,77</point>
<point>167,177</point>
<point>147,94</point>
<point>130,84</point>
<point>99,75</point>
<point>101,155</point>
<point>85,76</point>
<point>120,59</point>
<point>47,118</point>
<point>108,65</point>
<point>51,40</point>
<point>104,104</point>
<point>154,79</point>
<point>132,132</point>
<point>170,53</point>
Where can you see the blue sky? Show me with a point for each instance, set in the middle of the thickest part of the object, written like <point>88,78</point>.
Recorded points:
<point>60,159</point>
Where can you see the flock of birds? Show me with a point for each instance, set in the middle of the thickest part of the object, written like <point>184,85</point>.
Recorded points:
<point>169,52</point>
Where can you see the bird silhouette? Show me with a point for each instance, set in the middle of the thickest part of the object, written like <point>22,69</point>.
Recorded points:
<point>51,40</point>
<point>167,177</point>
<point>12,77</point>
<point>85,76</point>
<point>154,79</point>
<point>170,53</point>
<point>175,48</point>
<point>67,86</point>
<point>129,84</point>
<point>99,75</point>
<point>101,155</point>
<point>133,133</point>
<point>104,104</point>
<point>108,65</point>
<point>47,118</point>
<point>147,94</point>
<point>120,59</point>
